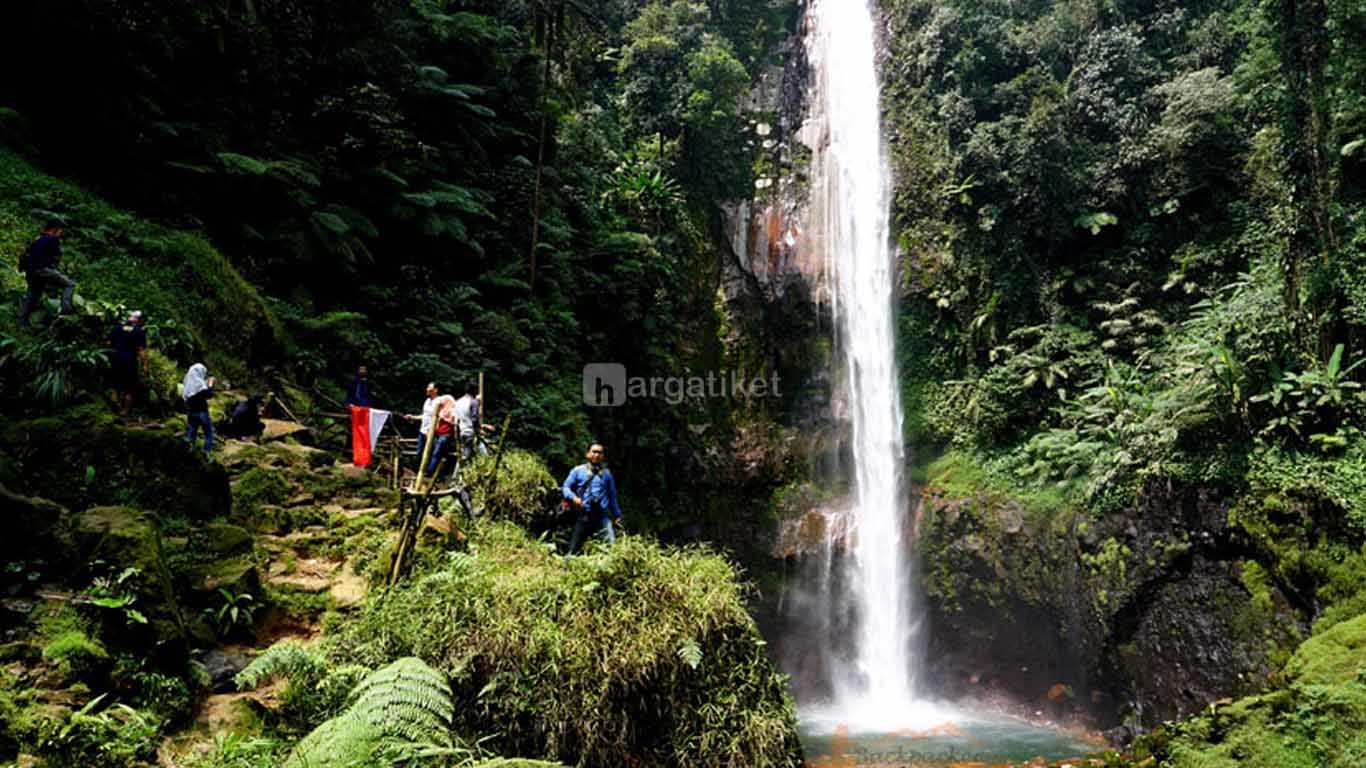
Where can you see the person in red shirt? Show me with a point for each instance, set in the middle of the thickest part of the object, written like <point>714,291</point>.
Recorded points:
<point>443,430</point>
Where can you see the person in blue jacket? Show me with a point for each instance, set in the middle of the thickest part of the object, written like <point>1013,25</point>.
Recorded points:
<point>592,492</point>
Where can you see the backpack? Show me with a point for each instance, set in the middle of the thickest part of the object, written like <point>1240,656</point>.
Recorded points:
<point>26,259</point>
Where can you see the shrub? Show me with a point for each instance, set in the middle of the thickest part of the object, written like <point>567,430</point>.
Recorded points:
<point>639,653</point>
<point>525,489</point>
<point>113,738</point>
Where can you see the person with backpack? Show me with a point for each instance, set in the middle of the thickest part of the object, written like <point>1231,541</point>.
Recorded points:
<point>39,265</point>
<point>198,385</point>
<point>129,341</point>
<point>591,491</point>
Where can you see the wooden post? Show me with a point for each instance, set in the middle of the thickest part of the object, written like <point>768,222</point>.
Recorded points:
<point>426,451</point>
<point>412,522</point>
<point>498,456</point>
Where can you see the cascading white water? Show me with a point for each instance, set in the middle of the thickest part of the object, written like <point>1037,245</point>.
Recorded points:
<point>851,200</point>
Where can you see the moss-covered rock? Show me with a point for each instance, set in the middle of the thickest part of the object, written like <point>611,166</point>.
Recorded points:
<point>1332,657</point>
<point>256,487</point>
<point>1318,720</point>
<point>76,654</point>
<point>82,458</point>
<point>1147,616</point>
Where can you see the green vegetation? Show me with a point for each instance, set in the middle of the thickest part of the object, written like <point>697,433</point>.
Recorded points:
<point>199,306</point>
<point>525,490</point>
<point>1116,278</point>
<point>1133,237</point>
<point>1316,721</point>
<point>434,188</point>
<point>75,653</point>
<point>395,713</point>
<point>638,650</point>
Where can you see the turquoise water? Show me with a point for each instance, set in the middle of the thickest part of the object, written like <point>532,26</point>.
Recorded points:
<point>987,740</point>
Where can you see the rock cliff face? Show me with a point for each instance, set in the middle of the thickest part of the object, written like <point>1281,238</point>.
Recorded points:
<point>1128,621</point>
<point>769,248</point>
<point>773,282</point>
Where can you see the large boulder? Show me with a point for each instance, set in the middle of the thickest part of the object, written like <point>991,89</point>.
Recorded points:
<point>1141,617</point>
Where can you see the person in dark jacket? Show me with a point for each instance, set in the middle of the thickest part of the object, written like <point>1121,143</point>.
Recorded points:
<point>358,394</point>
<point>198,390</point>
<point>245,420</point>
<point>129,341</point>
<point>39,264</point>
<point>591,490</point>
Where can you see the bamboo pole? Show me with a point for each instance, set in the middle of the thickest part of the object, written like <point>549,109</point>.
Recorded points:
<point>426,449</point>
<point>407,540</point>
<point>498,456</point>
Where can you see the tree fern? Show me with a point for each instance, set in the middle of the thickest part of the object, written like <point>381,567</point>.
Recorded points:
<point>404,709</point>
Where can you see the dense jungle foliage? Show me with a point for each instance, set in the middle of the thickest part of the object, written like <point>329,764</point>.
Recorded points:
<point>1135,241</point>
<point>1133,244</point>
<point>434,189</point>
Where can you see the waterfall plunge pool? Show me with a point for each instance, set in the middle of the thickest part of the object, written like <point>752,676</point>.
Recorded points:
<point>936,736</point>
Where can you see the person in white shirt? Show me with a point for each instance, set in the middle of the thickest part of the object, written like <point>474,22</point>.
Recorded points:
<point>467,419</point>
<point>427,417</point>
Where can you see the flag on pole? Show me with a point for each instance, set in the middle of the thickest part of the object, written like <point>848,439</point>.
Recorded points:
<point>366,424</point>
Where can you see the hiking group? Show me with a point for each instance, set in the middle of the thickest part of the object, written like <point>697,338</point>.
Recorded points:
<point>129,360</point>
<point>449,427</point>
<point>447,423</point>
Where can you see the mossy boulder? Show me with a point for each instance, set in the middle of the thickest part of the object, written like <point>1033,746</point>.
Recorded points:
<point>222,539</point>
<point>1335,656</point>
<point>257,487</point>
<point>177,577</point>
<point>122,535</point>
<point>1146,616</point>
<point>80,458</point>
<point>76,654</point>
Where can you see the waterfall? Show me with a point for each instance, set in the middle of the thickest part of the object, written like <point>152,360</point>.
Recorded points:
<point>874,680</point>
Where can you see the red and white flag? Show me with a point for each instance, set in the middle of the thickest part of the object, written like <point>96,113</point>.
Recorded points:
<point>366,424</point>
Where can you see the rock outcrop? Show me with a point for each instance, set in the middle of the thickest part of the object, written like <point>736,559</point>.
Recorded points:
<point>1139,618</point>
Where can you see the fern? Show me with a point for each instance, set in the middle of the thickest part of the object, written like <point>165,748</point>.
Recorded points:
<point>402,710</point>
<point>290,659</point>
<point>690,653</point>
